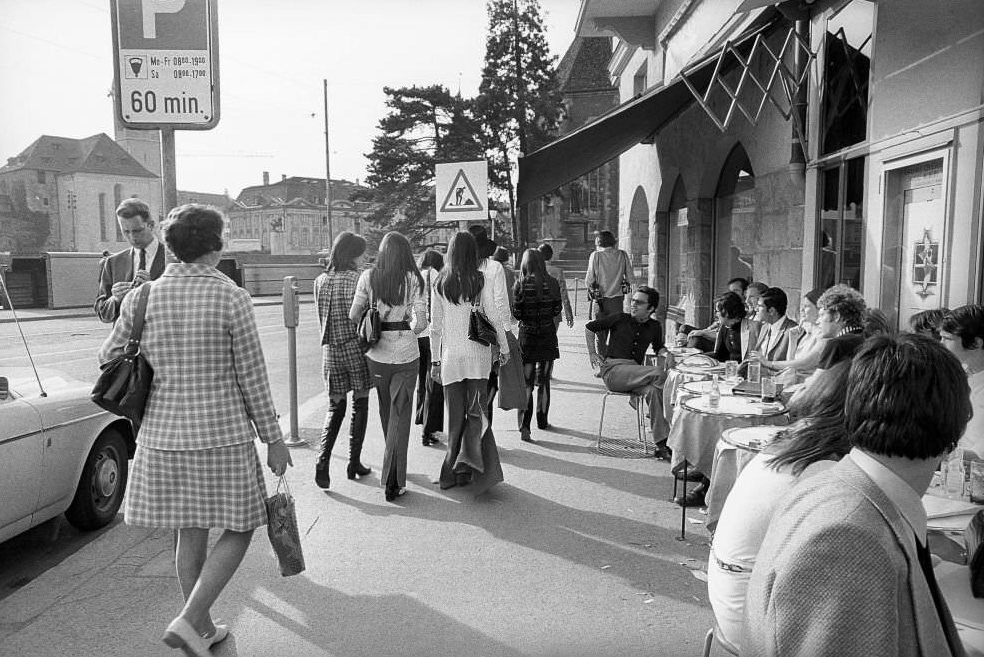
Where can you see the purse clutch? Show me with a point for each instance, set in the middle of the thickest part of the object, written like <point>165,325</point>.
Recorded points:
<point>370,326</point>
<point>480,329</point>
<point>974,541</point>
<point>124,382</point>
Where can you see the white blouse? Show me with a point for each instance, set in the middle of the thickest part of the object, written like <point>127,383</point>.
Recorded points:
<point>460,357</point>
<point>395,347</point>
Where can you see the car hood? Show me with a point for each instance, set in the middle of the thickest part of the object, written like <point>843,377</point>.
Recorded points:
<point>24,383</point>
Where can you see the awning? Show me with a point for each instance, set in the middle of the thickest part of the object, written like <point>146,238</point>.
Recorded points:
<point>607,137</point>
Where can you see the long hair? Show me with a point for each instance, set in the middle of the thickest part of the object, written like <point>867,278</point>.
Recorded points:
<point>394,263</point>
<point>818,433</point>
<point>346,248</point>
<point>534,268</point>
<point>460,280</point>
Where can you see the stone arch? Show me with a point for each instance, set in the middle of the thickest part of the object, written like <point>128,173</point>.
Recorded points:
<point>736,219</point>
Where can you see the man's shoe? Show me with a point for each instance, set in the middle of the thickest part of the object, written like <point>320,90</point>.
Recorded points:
<point>693,474</point>
<point>694,498</point>
<point>663,452</point>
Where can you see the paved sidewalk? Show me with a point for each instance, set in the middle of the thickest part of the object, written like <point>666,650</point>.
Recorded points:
<point>575,554</point>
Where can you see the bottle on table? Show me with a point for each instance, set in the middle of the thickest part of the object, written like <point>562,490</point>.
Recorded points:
<point>715,395</point>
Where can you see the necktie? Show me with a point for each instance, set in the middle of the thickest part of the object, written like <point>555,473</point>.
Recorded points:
<point>143,260</point>
<point>946,620</point>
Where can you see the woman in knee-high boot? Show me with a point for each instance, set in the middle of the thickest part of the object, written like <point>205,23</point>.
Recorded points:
<point>430,396</point>
<point>395,287</point>
<point>344,367</point>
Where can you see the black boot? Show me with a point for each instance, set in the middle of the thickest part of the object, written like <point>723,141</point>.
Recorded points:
<point>336,413</point>
<point>357,431</point>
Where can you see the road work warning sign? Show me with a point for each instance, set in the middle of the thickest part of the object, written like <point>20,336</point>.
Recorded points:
<point>166,65</point>
<point>462,191</point>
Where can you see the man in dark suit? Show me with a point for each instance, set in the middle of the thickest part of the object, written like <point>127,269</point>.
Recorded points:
<point>128,269</point>
<point>770,311</point>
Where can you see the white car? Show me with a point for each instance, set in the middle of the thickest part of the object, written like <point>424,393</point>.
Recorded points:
<point>59,453</point>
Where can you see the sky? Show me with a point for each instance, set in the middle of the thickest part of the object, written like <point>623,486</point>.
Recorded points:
<point>56,73</point>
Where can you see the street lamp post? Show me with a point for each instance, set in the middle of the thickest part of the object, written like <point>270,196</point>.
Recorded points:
<point>331,237</point>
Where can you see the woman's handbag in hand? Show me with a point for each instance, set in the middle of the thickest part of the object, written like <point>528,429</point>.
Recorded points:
<point>282,530</point>
<point>480,329</point>
<point>370,326</point>
<point>124,382</point>
<point>512,382</point>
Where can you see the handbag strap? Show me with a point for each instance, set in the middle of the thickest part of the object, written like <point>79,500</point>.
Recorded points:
<point>136,331</point>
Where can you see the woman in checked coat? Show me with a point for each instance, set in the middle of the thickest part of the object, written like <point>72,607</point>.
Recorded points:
<point>196,466</point>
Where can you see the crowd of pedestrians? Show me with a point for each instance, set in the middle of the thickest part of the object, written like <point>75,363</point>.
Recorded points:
<point>821,544</point>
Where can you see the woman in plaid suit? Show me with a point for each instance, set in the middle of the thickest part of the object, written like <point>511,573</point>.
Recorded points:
<point>396,288</point>
<point>196,466</point>
<point>343,366</point>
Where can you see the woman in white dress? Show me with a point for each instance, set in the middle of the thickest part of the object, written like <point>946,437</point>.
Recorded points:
<point>462,366</point>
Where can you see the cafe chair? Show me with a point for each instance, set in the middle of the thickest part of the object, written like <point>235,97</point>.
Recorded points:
<point>637,400</point>
<point>713,638</point>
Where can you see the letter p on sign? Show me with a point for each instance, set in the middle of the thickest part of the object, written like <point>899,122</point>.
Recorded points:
<point>153,7</point>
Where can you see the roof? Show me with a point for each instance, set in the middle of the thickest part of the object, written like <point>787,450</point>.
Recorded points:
<point>310,189</point>
<point>95,154</point>
<point>584,66</point>
<point>220,201</point>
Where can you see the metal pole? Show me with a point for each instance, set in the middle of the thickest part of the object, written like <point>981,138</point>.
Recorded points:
<point>169,182</point>
<point>291,312</point>
<point>331,236</point>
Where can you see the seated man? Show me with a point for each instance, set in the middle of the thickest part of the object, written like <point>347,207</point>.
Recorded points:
<point>773,340</point>
<point>844,569</point>
<point>628,337</point>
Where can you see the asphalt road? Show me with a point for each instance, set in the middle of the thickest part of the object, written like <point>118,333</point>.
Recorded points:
<point>70,344</point>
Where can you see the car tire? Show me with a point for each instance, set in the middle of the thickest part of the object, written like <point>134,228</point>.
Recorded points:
<point>102,484</point>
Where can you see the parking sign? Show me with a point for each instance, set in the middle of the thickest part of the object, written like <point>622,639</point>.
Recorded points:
<point>166,56</point>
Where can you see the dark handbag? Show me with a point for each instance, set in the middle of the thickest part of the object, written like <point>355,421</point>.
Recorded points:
<point>974,541</point>
<point>370,326</point>
<point>513,393</point>
<point>480,329</point>
<point>285,537</point>
<point>124,382</point>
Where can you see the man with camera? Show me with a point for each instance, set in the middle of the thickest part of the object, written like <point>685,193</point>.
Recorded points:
<point>130,268</point>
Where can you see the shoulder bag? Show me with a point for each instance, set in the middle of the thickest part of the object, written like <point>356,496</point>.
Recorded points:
<point>594,290</point>
<point>124,382</point>
<point>480,329</point>
<point>370,326</point>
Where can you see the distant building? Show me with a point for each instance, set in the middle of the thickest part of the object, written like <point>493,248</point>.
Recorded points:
<point>68,189</point>
<point>291,217</point>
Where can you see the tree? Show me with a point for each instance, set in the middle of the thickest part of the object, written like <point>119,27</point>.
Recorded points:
<point>519,100</point>
<point>424,125</point>
<point>30,228</point>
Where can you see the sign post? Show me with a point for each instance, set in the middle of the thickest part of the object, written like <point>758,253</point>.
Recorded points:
<point>461,191</point>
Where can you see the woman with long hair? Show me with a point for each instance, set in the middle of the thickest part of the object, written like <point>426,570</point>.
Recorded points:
<point>537,304</point>
<point>814,442</point>
<point>463,367</point>
<point>196,467</point>
<point>394,286</point>
<point>343,366</point>
<point>430,396</point>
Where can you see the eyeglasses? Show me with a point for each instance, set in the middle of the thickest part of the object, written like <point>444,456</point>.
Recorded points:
<point>639,302</point>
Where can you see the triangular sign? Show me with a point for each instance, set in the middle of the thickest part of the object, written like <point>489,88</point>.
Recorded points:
<point>461,196</point>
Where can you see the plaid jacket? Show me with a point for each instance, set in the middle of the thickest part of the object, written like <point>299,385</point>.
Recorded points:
<point>333,294</point>
<point>210,384</point>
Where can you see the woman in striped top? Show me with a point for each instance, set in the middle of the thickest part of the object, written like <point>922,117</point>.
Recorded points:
<point>536,304</point>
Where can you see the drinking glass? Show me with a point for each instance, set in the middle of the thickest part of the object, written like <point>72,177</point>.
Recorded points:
<point>754,369</point>
<point>953,474</point>
<point>730,370</point>
<point>977,482</point>
<point>768,389</point>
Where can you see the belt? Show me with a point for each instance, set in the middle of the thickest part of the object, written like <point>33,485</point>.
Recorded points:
<point>394,326</point>
<point>731,567</point>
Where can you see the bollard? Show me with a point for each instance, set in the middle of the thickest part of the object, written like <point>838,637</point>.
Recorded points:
<point>291,316</point>
<point>576,295</point>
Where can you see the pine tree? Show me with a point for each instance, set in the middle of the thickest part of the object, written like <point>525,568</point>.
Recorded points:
<point>519,102</point>
<point>424,125</point>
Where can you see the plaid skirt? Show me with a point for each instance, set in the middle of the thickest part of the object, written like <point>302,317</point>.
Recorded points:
<point>219,488</point>
<point>344,368</point>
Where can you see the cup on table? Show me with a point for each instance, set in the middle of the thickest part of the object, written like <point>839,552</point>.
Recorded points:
<point>977,482</point>
<point>768,388</point>
<point>754,368</point>
<point>730,371</point>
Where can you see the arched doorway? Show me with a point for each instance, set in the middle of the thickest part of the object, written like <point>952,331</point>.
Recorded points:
<point>639,234</point>
<point>736,221</point>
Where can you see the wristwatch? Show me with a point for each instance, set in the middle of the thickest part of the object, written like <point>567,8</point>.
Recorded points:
<point>435,362</point>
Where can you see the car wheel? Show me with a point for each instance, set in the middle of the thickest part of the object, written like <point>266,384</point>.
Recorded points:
<point>101,486</point>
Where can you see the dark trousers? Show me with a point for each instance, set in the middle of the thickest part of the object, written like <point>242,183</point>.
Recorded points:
<point>537,376</point>
<point>602,308</point>
<point>394,384</point>
<point>430,395</point>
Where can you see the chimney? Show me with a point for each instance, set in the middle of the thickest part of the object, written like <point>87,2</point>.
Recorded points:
<point>266,178</point>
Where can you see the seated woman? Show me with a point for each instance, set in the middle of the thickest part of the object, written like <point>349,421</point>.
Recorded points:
<point>805,345</point>
<point>814,442</point>
<point>738,333</point>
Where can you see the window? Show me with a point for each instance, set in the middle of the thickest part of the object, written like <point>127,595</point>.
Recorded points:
<point>102,217</point>
<point>639,81</point>
<point>44,200</point>
<point>117,199</point>
<point>847,64</point>
<point>736,222</point>
<point>840,242</point>
<point>41,177</point>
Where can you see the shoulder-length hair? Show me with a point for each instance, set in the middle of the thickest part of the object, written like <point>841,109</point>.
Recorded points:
<point>193,230</point>
<point>731,305</point>
<point>432,259</point>
<point>534,268</point>
<point>394,265</point>
<point>818,433</point>
<point>460,280</point>
<point>346,248</point>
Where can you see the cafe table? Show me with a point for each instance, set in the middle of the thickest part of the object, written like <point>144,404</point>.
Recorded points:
<point>733,451</point>
<point>680,375</point>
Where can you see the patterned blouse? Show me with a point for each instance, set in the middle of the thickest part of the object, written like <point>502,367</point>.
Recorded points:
<point>333,293</point>
<point>537,311</point>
